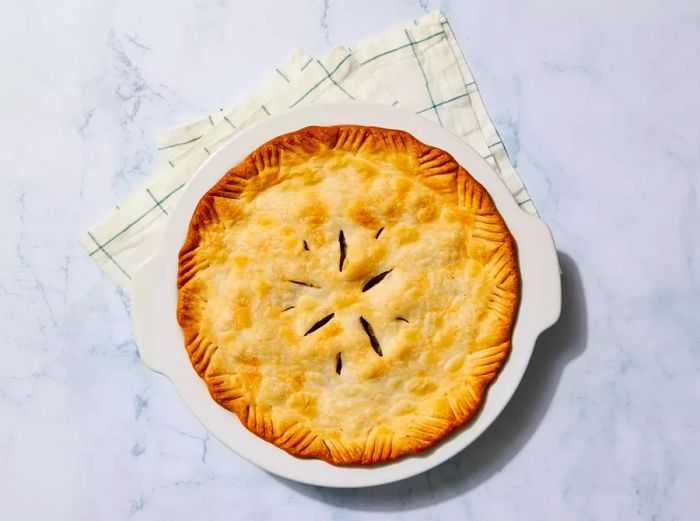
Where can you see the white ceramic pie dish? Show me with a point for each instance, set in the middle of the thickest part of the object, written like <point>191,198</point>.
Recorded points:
<point>160,339</point>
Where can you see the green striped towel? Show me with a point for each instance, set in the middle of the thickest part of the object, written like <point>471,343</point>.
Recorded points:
<point>418,67</point>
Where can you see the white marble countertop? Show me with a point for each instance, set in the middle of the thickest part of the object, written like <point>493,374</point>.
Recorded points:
<point>598,105</point>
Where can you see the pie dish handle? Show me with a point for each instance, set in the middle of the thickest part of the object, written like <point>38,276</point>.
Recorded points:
<point>145,306</point>
<point>545,274</point>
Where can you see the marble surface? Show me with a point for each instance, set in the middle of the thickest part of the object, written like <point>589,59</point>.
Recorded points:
<point>598,105</point>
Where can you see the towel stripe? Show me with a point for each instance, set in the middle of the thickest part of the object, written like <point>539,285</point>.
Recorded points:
<point>101,248</point>
<point>173,145</point>
<point>328,76</point>
<point>395,49</point>
<point>335,82</point>
<point>133,223</point>
<point>425,76</point>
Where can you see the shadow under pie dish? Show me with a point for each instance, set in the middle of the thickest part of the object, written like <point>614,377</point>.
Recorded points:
<point>348,292</point>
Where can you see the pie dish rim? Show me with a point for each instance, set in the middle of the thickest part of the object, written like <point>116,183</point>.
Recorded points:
<point>539,275</point>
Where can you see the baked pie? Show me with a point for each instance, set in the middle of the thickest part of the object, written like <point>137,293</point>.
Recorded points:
<point>348,292</point>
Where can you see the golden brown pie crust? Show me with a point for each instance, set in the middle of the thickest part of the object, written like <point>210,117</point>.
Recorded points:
<point>348,292</point>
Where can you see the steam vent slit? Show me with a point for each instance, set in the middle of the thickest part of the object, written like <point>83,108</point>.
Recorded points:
<point>343,249</point>
<point>320,324</point>
<point>372,337</point>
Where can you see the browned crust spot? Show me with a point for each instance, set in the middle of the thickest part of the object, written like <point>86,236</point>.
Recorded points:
<point>493,245</point>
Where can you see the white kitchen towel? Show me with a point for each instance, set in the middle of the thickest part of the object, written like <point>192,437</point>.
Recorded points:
<point>418,67</point>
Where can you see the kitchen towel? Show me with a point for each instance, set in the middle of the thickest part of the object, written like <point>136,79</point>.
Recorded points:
<point>418,67</point>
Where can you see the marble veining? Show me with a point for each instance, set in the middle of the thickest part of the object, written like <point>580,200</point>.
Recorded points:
<point>597,105</point>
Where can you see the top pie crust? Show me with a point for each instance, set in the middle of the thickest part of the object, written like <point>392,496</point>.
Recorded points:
<point>391,239</point>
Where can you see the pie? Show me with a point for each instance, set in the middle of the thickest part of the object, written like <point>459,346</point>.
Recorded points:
<point>348,292</point>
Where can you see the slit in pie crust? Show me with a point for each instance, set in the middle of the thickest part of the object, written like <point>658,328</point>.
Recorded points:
<point>348,292</point>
